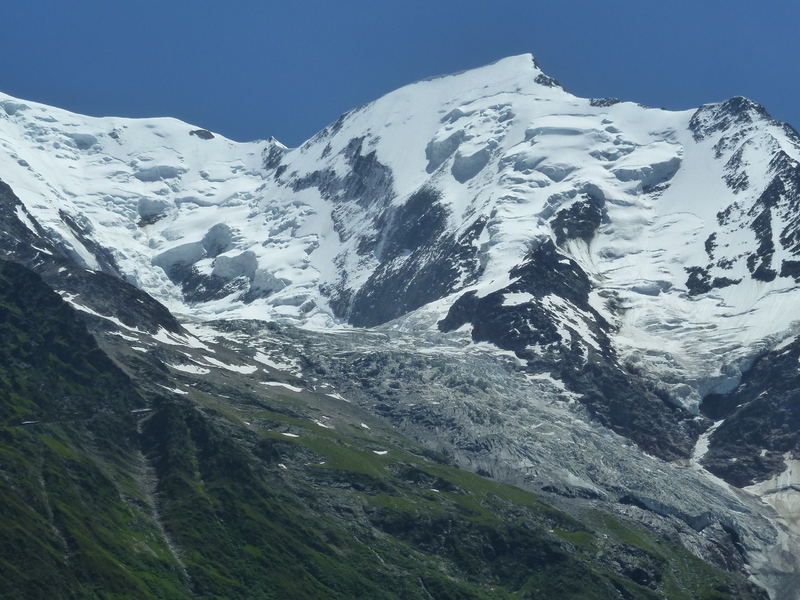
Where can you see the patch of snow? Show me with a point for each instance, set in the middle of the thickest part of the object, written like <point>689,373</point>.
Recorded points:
<point>166,337</point>
<point>23,216</point>
<point>282,364</point>
<point>701,447</point>
<point>517,298</point>
<point>71,299</point>
<point>194,369</point>
<point>244,369</point>
<point>125,337</point>
<point>281,384</point>
<point>174,390</point>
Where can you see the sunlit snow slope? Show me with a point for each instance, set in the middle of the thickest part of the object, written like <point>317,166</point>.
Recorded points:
<point>442,198</point>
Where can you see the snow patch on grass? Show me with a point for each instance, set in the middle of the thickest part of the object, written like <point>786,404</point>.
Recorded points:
<point>194,369</point>
<point>281,384</point>
<point>243,369</point>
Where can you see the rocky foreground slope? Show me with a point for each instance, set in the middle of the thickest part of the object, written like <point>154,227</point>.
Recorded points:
<point>590,299</point>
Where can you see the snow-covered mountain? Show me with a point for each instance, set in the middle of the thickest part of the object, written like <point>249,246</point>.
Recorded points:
<point>630,264</point>
<point>680,222</point>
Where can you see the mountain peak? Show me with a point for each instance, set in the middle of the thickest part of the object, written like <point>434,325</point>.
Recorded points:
<point>510,74</point>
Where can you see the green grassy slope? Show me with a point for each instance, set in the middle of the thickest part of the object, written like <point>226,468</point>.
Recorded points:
<point>198,499</point>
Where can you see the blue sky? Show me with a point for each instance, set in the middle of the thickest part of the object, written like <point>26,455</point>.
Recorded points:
<point>253,69</point>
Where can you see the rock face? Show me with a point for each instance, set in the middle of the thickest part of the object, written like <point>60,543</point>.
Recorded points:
<point>530,312</point>
<point>606,270</point>
<point>757,432</point>
<point>52,369</point>
<point>26,243</point>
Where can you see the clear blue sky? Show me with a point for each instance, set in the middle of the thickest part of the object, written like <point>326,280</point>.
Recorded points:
<point>251,69</point>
